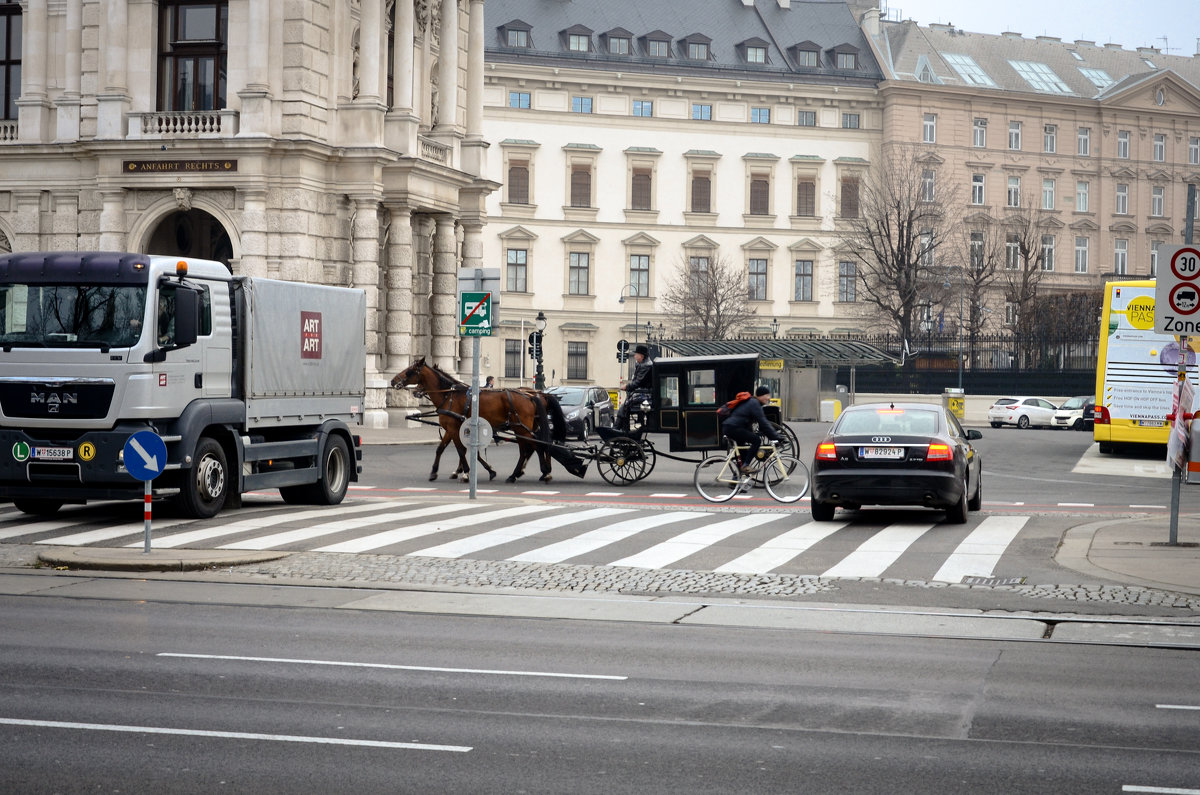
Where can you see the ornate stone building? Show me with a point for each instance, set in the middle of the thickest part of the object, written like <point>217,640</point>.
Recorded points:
<point>330,141</point>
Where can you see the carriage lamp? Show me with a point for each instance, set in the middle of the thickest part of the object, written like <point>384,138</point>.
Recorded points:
<point>539,375</point>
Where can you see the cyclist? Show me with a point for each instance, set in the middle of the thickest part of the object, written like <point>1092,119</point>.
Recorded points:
<point>739,426</point>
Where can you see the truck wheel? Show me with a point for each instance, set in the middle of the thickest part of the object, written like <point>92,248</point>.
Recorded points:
<point>38,507</point>
<point>206,484</point>
<point>335,478</point>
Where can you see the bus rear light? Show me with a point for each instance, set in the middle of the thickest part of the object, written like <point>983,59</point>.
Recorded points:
<point>1100,415</point>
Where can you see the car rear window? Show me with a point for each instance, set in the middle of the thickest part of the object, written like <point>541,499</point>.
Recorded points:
<point>1005,401</point>
<point>890,421</point>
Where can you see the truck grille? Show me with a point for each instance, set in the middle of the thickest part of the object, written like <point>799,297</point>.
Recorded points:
<point>72,400</point>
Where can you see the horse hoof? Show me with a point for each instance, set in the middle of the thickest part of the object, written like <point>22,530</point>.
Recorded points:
<point>545,478</point>
<point>491,476</point>
<point>433,476</point>
<point>511,480</point>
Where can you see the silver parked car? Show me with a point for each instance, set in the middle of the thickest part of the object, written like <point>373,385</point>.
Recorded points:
<point>1022,412</point>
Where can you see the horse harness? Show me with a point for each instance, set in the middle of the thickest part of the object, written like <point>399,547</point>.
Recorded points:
<point>448,392</point>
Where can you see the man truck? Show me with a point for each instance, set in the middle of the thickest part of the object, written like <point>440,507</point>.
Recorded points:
<point>251,383</point>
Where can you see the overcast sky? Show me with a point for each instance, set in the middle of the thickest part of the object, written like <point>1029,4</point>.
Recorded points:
<point>1130,23</point>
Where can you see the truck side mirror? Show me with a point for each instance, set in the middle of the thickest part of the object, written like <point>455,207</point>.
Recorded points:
<point>187,316</point>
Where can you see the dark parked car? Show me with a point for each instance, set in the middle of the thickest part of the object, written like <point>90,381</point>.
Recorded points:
<point>897,454</point>
<point>586,407</point>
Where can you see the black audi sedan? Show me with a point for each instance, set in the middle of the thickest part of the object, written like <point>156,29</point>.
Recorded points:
<point>897,454</point>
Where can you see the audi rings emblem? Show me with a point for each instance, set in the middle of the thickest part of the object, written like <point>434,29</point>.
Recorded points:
<point>880,439</point>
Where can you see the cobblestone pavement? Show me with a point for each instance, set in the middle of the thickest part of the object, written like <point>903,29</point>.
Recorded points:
<point>385,571</point>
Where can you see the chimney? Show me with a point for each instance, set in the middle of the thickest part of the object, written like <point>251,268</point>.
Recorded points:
<point>1111,46</point>
<point>871,23</point>
<point>748,3</point>
<point>785,4</point>
<point>1085,43</point>
<point>1011,34</point>
<point>1053,39</point>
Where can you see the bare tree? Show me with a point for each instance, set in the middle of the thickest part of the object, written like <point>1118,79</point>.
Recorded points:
<point>904,236</point>
<point>708,297</point>
<point>1024,228</point>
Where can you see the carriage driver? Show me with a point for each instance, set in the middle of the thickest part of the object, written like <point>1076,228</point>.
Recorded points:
<point>638,387</point>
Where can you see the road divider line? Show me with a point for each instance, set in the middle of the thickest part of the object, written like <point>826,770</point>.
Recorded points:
<point>1176,706</point>
<point>402,534</point>
<point>284,738</point>
<point>390,666</point>
<point>503,535</point>
<point>879,551</point>
<point>589,542</point>
<point>693,541</point>
<point>978,553</point>
<point>278,540</point>
<point>781,549</point>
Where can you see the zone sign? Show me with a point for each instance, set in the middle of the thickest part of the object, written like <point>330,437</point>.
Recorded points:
<point>1177,291</point>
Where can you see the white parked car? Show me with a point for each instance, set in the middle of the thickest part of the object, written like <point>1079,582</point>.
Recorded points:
<point>1022,412</point>
<point>1076,413</point>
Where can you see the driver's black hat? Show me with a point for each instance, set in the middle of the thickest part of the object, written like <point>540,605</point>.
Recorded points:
<point>642,349</point>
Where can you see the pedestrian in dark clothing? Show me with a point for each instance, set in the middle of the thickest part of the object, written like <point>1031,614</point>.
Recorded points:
<point>739,426</point>
<point>638,387</point>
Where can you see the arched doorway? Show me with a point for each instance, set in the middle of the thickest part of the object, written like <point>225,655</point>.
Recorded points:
<point>191,233</point>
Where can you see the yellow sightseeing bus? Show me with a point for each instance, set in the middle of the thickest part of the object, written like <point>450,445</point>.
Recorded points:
<point>1136,369</point>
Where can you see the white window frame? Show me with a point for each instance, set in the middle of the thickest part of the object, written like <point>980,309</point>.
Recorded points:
<point>1050,138</point>
<point>1123,144</point>
<point>1049,187</point>
<point>929,128</point>
<point>1084,142</point>
<point>1014,192</point>
<point>1120,256</point>
<point>1048,244</point>
<point>978,188</point>
<point>979,133</point>
<point>1082,189</point>
<point>1014,136</point>
<point>1081,254</point>
<point>1158,200</point>
<point>1122,194</point>
<point>1160,147</point>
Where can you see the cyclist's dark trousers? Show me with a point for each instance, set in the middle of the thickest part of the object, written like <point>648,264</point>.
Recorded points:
<point>744,437</point>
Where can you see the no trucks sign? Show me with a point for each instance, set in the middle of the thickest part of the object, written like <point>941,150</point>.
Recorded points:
<point>1177,291</point>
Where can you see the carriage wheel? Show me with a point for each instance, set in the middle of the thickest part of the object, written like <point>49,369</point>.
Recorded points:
<point>622,460</point>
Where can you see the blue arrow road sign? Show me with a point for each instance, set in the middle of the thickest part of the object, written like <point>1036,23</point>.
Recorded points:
<point>145,455</point>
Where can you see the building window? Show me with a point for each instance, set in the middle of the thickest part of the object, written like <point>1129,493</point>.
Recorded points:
<point>581,104</point>
<point>1081,255</point>
<point>641,197</point>
<point>639,275</point>
<point>577,361</point>
<point>579,43</point>
<point>1012,253</point>
<point>760,115</point>
<point>1048,186</point>
<point>658,49</point>
<point>1122,199</point>
<point>847,277</point>
<point>806,118</point>
<point>977,188</point>
<point>1014,191</point>
<point>618,46</point>
<point>927,248</point>
<point>756,55</point>
<point>1194,151</point>
<point>518,99</point>
<point>804,280</point>
<point>643,108</point>
<point>1123,144</point>
<point>806,198</point>
<point>1047,252</point>
<point>968,70</point>
<point>701,112</point>
<point>847,60</point>
<point>927,185</point>
<point>581,186</point>
<point>517,271</point>
<point>1154,244</point>
<point>1014,135</point>
<point>1081,197</point>
<point>975,251</point>
<point>10,59</point>
<point>578,273</point>
<point>697,51</point>
<point>1160,147</point>
<point>1084,139</point>
<point>192,55</point>
<point>850,121</point>
<point>1010,313</point>
<point>849,197</point>
<point>701,191</point>
<point>979,133</point>
<point>806,58</point>
<point>929,128</point>
<point>1050,138</point>
<point>757,287</point>
<point>1040,77</point>
<point>512,359</point>
<point>518,182</point>
<point>697,270</point>
<point>1120,257</point>
<point>760,194</point>
<point>1157,197</point>
<point>517,38</point>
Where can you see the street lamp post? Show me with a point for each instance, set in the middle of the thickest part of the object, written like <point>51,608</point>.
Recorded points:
<point>539,375</point>
<point>775,328</point>
<point>637,295</point>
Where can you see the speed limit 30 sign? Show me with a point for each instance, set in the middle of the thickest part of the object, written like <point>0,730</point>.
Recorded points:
<point>1177,291</point>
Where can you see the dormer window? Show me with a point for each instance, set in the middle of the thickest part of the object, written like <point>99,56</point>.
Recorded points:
<point>656,44</point>
<point>518,38</point>
<point>577,38</point>
<point>752,51</point>
<point>577,43</point>
<point>617,41</point>
<point>618,46</point>
<point>516,34</point>
<point>657,49</point>
<point>847,60</point>
<point>696,47</point>
<point>756,55</point>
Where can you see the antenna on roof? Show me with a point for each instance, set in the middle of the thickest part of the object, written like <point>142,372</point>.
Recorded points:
<point>1165,48</point>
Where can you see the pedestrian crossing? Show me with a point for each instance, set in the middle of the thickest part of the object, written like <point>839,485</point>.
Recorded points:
<point>721,541</point>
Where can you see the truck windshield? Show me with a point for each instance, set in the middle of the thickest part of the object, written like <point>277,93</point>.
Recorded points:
<point>58,315</point>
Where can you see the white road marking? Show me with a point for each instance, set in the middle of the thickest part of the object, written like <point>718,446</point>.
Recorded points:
<point>29,528</point>
<point>282,738</point>
<point>502,535</point>
<point>781,549</point>
<point>328,528</point>
<point>401,534</point>
<point>604,494</point>
<point>978,553</point>
<point>670,495</point>
<point>685,544</point>
<point>1076,505</point>
<point>540,493</point>
<point>109,533</point>
<point>1176,706</point>
<point>1162,790</point>
<point>1163,507</point>
<point>245,525</point>
<point>418,488</point>
<point>392,667</point>
<point>879,551</point>
<point>588,542</point>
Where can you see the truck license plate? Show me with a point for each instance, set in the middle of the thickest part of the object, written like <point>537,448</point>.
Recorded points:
<point>881,452</point>
<point>53,453</point>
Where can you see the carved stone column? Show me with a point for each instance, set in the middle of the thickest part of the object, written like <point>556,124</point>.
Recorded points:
<point>448,69</point>
<point>68,103</point>
<point>399,297</point>
<point>113,100</point>
<point>445,294</point>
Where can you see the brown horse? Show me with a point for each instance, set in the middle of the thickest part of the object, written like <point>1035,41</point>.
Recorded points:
<point>526,415</point>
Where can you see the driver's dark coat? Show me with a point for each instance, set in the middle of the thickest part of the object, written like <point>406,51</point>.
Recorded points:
<point>640,380</point>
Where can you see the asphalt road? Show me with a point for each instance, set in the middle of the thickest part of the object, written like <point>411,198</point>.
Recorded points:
<point>123,695</point>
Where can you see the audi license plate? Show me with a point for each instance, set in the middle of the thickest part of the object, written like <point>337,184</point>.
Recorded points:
<point>881,452</point>
<point>53,453</point>
<point>1152,423</point>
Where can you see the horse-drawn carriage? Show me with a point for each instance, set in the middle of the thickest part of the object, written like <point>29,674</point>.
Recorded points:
<point>682,406</point>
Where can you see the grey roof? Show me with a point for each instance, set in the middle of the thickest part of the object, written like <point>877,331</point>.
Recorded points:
<point>727,22</point>
<point>807,352</point>
<point>904,44</point>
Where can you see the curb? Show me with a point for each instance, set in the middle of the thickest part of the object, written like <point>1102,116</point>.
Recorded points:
<point>156,560</point>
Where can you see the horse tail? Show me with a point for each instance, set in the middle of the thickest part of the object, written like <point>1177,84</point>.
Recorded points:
<point>557,418</point>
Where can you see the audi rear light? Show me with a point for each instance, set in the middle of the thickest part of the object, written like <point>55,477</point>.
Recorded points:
<point>939,452</point>
<point>827,451</point>
<point>1100,415</point>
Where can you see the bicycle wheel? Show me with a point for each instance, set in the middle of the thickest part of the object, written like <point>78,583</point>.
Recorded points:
<point>785,477</point>
<point>716,479</point>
